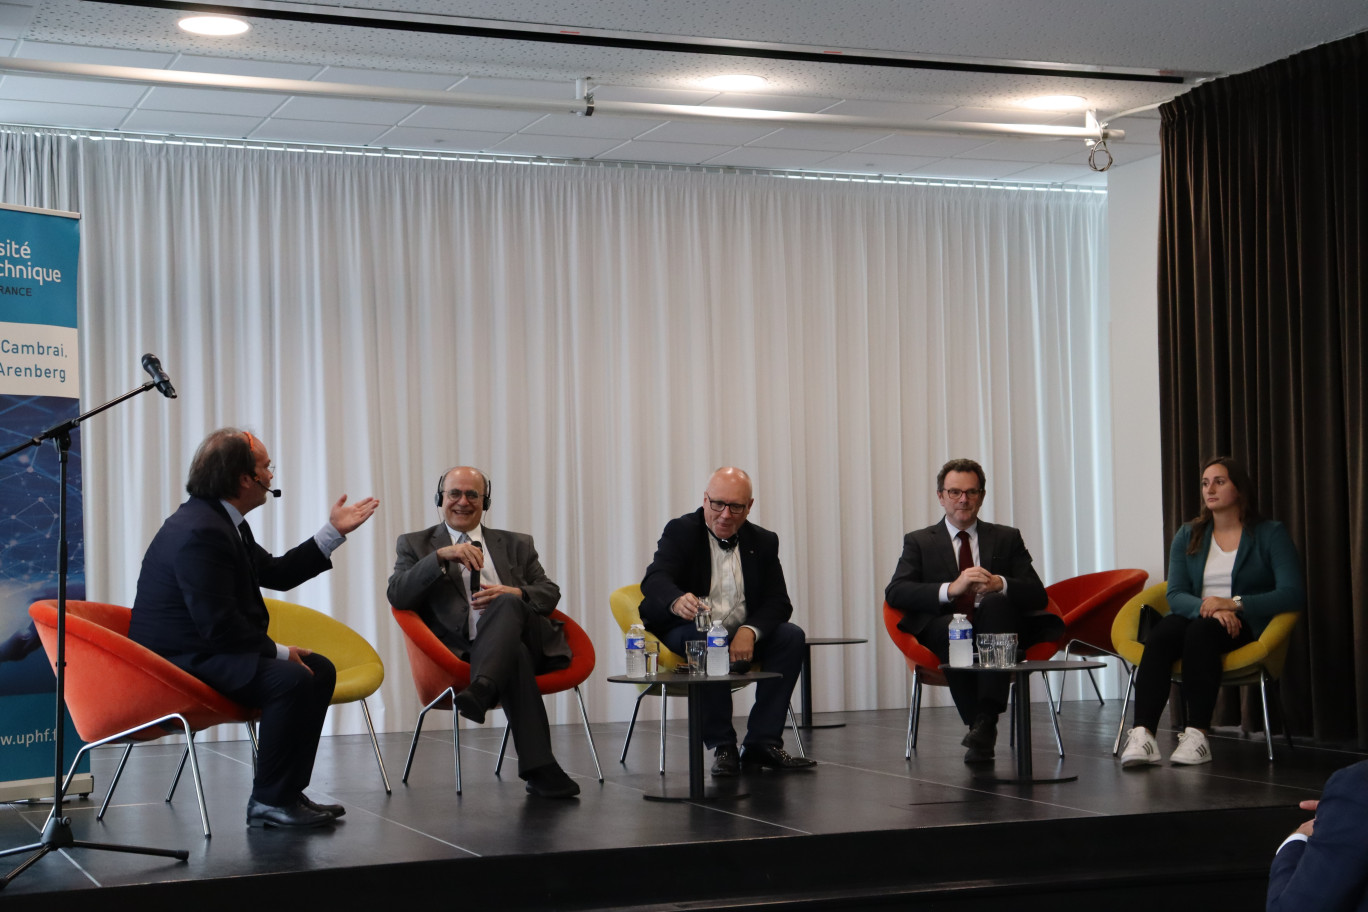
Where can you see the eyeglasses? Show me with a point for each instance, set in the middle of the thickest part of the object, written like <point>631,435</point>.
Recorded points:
<point>957,493</point>
<point>735,509</point>
<point>472,496</point>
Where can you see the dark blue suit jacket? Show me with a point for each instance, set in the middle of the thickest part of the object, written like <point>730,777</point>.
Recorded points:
<point>1328,872</point>
<point>683,563</point>
<point>199,594</point>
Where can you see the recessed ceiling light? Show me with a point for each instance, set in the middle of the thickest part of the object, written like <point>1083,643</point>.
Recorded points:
<point>1057,103</point>
<point>736,82</point>
<point>217,26</point>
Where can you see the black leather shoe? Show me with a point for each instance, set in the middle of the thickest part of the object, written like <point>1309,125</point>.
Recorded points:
<point>550,781</point>
<point>295,815</point>
<point>981,739</point>
<point>475,700</point>
<point>775,758</point>
<point>726,761</point>
<point>332,810</point>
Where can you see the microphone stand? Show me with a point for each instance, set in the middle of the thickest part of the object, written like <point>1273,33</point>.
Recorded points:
<point>57,830</point>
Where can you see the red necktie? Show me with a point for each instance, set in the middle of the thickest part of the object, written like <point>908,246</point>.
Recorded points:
<point>965,602</point>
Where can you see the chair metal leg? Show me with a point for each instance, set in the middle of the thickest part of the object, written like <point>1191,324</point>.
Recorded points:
<point>1054,713</point>
<point>664,711</point>
<point>449,693</point>
<point>1097,690</point>
<point>631,726</point>
<point>1125,704</point>
<point>456,746</point>
<point>503,746</point>
<point>584,716</point>
<point>175,780</point>
<point>1263,695</point>
<point>913,715</point>
<point>370,727</point>
<point>793,722</point>
<point>114,781</point>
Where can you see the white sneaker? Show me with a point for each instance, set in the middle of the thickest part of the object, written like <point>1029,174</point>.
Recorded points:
<point>1192,748</point>
<point>1141,749</point>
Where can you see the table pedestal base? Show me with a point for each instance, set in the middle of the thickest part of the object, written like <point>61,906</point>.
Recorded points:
<point>683,793</point>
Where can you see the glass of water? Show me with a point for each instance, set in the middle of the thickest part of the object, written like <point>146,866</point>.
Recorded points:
<point>703,620</point>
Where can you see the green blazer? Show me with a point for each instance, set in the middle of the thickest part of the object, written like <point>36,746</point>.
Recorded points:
<point>1267,575</point>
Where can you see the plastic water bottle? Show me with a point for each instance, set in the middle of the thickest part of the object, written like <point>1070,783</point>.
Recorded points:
<point>636,651</point>
<point>719,659</point>
<point>961,642</point>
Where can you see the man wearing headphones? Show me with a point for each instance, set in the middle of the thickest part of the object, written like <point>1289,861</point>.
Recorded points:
<point>484,594</point>
<point>199,604</point>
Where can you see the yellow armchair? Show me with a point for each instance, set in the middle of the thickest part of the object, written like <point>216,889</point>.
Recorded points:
<point>1253,663</point>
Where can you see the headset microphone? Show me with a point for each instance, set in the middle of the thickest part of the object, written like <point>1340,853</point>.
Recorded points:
<point>274,492</point>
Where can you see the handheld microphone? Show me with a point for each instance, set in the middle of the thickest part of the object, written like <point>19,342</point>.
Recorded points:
<point>274,492</point>
<point>475,574</point>
<point>159,377</point>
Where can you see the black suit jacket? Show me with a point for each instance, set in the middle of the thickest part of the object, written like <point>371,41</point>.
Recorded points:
<point>683,563</point>
<point>199,594</point>
<point>424,583</point>
<point>929,559</point>
<point>1328,872</point>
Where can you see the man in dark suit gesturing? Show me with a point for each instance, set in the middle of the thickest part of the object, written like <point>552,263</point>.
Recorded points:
<point>716,554</point>
<point>1324,864</point>
<point>484,594</point>
<point>199,604</point>
<point>965,566</point>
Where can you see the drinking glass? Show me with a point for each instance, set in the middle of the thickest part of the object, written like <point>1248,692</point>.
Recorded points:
<point>652,658</point>
<point>987,649</point>
<point>697,655</point>
<point>703,620</point>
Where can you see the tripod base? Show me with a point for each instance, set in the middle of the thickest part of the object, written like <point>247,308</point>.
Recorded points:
<point>57,835</point>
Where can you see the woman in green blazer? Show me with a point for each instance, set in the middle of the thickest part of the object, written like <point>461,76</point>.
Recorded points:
<point>1230,572</point>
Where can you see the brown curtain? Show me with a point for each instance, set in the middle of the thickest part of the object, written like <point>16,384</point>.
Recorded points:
<point>1261,333</point>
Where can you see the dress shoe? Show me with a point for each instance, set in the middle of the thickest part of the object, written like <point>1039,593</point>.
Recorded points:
<point>981,739</point>
<point>475,700</point>
<point>294,815</point>
<point>550,781</point>
<point>773,757</point>
<point>332,810</point>
<point>726,761</point>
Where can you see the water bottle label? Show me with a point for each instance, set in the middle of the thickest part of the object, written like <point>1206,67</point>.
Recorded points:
<point>962,633</point>
<point>717,642</point>
<point>636,642</point>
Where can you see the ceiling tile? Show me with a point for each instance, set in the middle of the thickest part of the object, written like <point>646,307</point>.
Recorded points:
<point>731,134</point>
<point>921,144</point>
<point>969,169</point>
<point>493,120</point>
<point>678,153</point>
<point>1032,150</point>
<point>1127,152</point>
<point>888,109</point>
<point>865,163</point>
<point>1139,129</point>
<point>750,157</point>
<point>439,140</point>
<point>555,146</point>
<point>646,95</point>
<point>247,104</point>
<point>15,19</point>
<point>317,131</point>
<point>70,53</point>
<point>591,127</point>
<point>1009,116</point>
<point>518,88</point>
<point>816,138</point>
<point>45,113</point>
<point>345,110</point>
<point>198,124</point>
<point>70,91</point>
<point>1055,174</point>
<point>196,63</point>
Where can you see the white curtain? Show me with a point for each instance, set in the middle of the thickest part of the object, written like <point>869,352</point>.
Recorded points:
<point>598,341</point>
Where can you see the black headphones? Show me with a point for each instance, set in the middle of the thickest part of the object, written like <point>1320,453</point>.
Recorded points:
<point>441,483</point>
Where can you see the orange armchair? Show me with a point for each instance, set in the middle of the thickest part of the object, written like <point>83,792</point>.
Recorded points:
<point>1090,603</point>
<point>438,675</point>
<point>120,691</point>
<point>925,668</point>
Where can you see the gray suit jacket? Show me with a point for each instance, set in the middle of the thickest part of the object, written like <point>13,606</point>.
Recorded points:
<point>425,584</point>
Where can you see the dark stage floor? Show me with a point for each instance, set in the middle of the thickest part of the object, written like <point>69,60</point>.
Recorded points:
<point>826,828</point>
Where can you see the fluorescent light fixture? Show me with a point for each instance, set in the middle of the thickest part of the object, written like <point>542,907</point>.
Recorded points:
<point>217,26</point>
<point>1056,103</point>
<point>736,82</point>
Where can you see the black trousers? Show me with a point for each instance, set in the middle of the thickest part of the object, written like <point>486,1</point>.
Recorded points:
<point>293,701</point>
<point>1201,643</point>
<point>780,650</point>
<point>507,651</point>
<point>973,693</point>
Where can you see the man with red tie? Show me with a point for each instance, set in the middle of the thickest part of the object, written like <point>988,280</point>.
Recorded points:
<point>963,565</point>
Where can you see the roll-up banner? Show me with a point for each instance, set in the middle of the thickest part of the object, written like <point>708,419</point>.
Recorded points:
<point>39,387</point>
